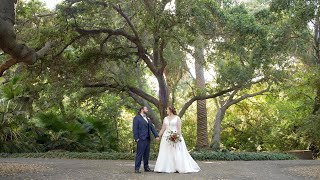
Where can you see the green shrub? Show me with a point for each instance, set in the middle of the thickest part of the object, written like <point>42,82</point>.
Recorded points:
<point>200,156</point>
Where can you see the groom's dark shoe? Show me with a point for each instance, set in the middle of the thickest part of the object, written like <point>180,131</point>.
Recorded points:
<point>148,170</point>
<point>137,171</point>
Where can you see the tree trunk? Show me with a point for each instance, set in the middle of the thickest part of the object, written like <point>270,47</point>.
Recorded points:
<point>202,129</point>
<point>215,143</point>
<point>163,97</point>
<point>62,109</point>
<point>7,10</point>
<point>316,35</point>
<point>316,105</point>
<point>153,117</point>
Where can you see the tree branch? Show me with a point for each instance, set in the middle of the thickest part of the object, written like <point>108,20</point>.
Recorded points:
<point>67,45</point>
<point>119,10</point>
<point>136,98</point>
<point>8,42</point>
<point>117,32</point>
<point>156,58</point>
<point>141,50</point>
<point>101,84</point>
<point>195,98</point>
<point>235,101</point>
<point>190,51</point>
<point>45,14</point>
<point>216,102</point>
<point>144,95</point>
<point>230,99</point>
<point>104,41</point>
<point>162,60</point>
<point>233,127</point>
<point>43,51</point>
<point>141,102</point>
<point>132,89</point>
<point>35,56</point>
<point>6,65</point>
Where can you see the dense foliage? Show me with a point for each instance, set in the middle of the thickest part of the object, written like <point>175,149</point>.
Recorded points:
<point>111,58</point>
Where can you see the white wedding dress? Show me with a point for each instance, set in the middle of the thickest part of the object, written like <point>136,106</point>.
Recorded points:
<point>174,157</point>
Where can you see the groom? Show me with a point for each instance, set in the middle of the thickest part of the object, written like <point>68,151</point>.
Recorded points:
<point>142,128</point>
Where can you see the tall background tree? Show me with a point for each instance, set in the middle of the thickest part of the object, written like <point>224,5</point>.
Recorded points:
<point>301,19</point>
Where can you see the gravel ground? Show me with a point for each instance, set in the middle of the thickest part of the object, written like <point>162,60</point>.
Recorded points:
<point>69,169</point>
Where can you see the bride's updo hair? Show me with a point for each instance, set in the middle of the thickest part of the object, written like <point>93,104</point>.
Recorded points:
<point>173,110</point>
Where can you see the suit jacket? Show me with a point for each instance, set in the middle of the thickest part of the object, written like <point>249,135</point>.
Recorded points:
<point>141,129</point>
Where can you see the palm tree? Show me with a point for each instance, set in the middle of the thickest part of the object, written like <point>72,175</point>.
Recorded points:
<point>202,129</point>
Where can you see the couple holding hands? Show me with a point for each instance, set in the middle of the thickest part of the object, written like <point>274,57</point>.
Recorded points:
<point>173,155</point>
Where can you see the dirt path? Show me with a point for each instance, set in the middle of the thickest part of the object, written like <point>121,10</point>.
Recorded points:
<point>60,169</point>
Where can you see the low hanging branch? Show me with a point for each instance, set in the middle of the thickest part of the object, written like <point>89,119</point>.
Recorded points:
<point>195,98</point>
<point>6,65</point>
<point>140,93</point>
<point>26,55</point>
<point>135,90</point>
<point>136,93</point>
<point>67,45</point>
<point>8,42</point>
<point>245,96</point>
<point>152,115</point>
<point>222,92</point>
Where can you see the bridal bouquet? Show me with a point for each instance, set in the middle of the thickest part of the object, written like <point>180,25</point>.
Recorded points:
<point>173,137</point>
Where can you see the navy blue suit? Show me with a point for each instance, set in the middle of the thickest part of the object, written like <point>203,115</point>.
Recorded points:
<point>142,135</point>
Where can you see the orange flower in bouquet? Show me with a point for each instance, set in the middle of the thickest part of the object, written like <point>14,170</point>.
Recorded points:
<point>173,137</point>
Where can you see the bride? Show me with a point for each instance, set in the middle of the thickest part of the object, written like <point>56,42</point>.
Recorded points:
<point>173,157</point>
